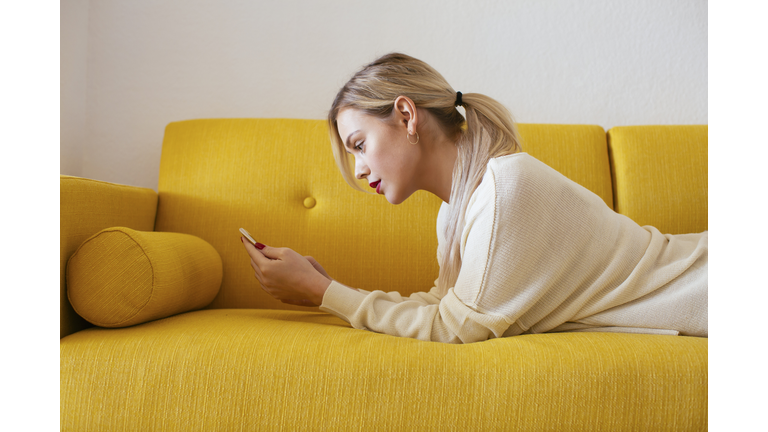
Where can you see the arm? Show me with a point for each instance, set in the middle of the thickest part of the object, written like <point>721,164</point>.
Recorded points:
<point>294,279</point>
<point>423,316</point>
<point>431,316</point>
<point>456,317</point>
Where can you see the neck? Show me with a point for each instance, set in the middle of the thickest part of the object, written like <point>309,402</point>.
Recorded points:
<point>441,158</point>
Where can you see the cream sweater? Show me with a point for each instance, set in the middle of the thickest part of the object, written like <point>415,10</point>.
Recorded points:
<point>540,253</point>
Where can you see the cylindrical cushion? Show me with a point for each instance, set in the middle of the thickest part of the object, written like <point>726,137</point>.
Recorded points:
<point>121,277</point>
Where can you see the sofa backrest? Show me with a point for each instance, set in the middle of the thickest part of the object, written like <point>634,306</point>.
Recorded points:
<point>277,179</point>
<point>660,176</point>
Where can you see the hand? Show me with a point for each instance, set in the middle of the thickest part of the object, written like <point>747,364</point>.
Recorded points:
<point>288,276</point>
<point>318,267</point>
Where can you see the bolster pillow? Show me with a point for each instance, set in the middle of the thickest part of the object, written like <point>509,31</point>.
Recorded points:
<point>121,277</point>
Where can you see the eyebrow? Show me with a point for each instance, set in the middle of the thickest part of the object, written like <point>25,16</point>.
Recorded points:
<point>347,144</point>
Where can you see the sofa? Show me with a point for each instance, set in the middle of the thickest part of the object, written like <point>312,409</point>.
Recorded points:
<point>244,361</point>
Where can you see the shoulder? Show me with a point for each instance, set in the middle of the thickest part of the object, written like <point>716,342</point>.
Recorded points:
<point>512,175</point>
<point>519,186</point>
<point>521,177</point>
<point>508,182</point>
<point>517,166</point>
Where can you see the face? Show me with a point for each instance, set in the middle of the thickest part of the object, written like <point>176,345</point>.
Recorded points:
<point>382,153</point>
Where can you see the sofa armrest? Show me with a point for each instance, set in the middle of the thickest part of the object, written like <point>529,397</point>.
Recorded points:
<point>87,207</point>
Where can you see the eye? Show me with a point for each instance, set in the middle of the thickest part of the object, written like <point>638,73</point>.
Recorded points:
<point>359,147</point>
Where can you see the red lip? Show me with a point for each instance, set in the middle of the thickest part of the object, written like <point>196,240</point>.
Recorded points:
<point>375,184</point>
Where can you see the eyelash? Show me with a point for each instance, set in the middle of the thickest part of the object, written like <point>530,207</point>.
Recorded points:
<point>359,147</point>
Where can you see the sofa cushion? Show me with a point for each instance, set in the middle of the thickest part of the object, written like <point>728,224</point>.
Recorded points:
<point>240,369</point>
<point>660,176</point>
<point>121,277</point>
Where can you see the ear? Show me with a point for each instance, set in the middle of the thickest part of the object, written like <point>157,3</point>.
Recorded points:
<point>406,114</point>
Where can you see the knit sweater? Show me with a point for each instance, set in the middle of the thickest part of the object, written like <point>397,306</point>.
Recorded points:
<point>540,253</point>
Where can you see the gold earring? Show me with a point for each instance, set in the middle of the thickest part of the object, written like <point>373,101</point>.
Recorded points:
<point>407,136</point>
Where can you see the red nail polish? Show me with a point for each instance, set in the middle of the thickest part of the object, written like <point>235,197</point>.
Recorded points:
<point>259,246</point>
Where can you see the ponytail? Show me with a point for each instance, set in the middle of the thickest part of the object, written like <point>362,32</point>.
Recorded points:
<point>490,133</point>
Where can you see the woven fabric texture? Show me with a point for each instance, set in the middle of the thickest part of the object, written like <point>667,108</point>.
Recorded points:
<point>121,277</point>
<point>660,176</point>
<point>212,370</point>
<point>218,175</point>
<point>87,207</point>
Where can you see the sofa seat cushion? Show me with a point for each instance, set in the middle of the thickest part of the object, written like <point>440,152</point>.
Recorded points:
<point>248,369</point>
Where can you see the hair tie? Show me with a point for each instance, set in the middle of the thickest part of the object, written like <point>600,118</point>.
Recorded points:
<point>458,100</point>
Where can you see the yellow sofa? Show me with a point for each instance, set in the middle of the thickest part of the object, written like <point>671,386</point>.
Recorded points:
<point>248,362</point>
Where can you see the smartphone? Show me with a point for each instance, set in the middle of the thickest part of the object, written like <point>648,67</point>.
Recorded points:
<point>248,236</point>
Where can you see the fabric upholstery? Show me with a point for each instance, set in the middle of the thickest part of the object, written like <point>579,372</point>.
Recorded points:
<point>218,175</point>
<point>261,369</point>
<point>660,176</point>
<point>121,277</point>
<point>578,152</point>
<point>87,207</point>
<point>284,370</point>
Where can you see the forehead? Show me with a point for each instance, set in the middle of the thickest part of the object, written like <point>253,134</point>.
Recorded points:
<point>350,120</point>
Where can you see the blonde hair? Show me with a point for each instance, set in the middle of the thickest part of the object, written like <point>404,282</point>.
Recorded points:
<point>488,132</point>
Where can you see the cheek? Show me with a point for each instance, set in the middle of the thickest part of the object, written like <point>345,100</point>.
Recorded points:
<point>386,164</point>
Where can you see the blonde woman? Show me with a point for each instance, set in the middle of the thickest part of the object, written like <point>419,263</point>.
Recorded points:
<point>521,248</point>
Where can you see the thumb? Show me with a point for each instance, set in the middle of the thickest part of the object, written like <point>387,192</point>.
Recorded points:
<point>267,251</point>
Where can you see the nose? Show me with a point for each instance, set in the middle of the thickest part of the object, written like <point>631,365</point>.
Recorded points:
<point>361,169</point>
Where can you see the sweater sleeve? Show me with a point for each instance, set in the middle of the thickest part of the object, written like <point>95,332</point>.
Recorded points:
<point>423,316</point>
<point>427,316</point>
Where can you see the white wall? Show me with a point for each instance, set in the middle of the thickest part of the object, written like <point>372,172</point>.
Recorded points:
<point>73,79</point>
<point>151,62</point>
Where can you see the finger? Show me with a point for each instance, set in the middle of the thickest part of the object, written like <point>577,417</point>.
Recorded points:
<point>270,252</point>
<point>256,255</point>
<point>256,269</point>
<point>313,261</point>
<point>255,266</point>
<point>318,267</point>
<point>257,272</point>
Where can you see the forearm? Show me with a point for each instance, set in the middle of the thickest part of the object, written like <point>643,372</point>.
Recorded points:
<point>425,317</point>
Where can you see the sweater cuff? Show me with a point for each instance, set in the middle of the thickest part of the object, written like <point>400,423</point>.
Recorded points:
<point>341,300</point>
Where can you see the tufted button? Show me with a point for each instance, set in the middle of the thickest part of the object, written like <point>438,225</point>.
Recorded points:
<point>309,202</point>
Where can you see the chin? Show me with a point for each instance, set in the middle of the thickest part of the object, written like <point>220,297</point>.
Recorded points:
<point>397,199</point>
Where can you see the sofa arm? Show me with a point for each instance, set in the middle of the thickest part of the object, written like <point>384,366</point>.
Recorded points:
<point>87,207</point>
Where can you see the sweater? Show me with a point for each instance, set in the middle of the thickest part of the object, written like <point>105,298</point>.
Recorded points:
<point>541,253</point>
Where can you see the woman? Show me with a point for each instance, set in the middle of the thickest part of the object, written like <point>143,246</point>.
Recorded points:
<point>521,248</point>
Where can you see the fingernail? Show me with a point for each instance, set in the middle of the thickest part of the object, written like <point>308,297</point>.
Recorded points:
<point>259,246</point>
